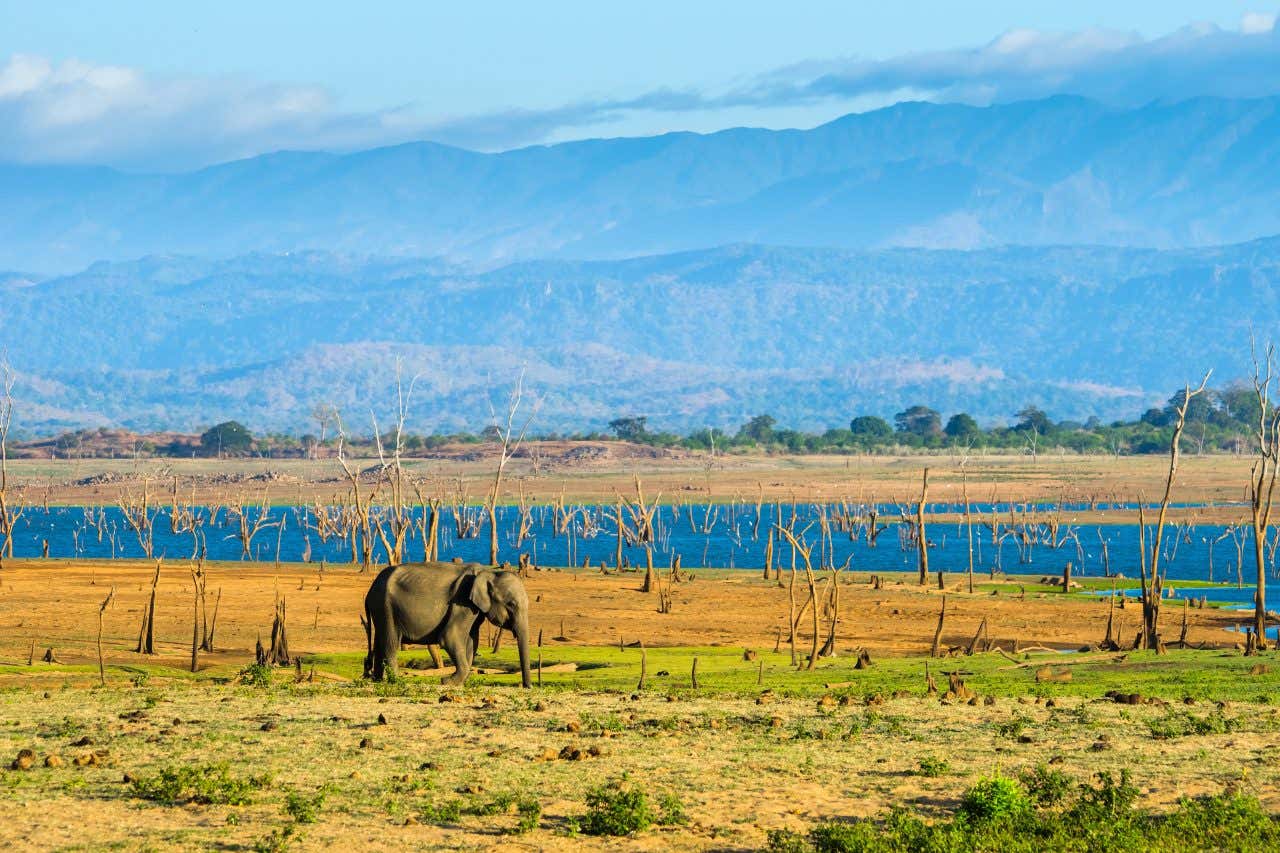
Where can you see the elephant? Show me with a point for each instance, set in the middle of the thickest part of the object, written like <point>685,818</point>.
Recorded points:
<point>442,604</point>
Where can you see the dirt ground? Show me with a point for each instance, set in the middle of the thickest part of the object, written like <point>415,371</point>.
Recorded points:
<point>603,470</point>
<point>54,604</point>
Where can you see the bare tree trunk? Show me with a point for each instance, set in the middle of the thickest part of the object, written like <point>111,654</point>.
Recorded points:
<point>922,541</point>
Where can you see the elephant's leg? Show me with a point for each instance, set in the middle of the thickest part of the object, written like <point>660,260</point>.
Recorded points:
<point>474,640</point>
<point>434,650</point>
<point>386,649</point>
<point>457,642</point>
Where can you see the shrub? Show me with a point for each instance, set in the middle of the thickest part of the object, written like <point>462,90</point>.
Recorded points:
<point>256,675</point>
<point>994,798</point>
<point>933,767</point>
<point>207,784</point>
<point>1224,822</point>
<point>303,809</point>
<point>671,811</point>
<point>277,842</point>
<point>1046,787</point>
<point>446,812</point>
<point>787,841</point>
<point>616,810</point>
<point>530,812</point>
<point>844,837</point>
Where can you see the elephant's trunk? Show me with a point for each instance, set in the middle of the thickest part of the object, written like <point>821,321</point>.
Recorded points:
<point>521,631</point>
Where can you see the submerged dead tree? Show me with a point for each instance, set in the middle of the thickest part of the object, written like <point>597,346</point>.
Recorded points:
<point>9,513</point>
<point>922,541</point>
<point>509,442</point>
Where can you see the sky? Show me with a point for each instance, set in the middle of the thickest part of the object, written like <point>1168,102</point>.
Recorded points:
<point>163,86</point>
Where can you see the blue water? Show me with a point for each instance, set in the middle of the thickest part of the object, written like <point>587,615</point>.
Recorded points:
<point>716,536</point>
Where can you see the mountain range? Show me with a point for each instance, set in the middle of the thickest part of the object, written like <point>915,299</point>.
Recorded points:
<point>690,339</point>
<point>1064,170</point>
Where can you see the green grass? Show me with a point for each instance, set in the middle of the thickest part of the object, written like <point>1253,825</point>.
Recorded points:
<point>1195,674</point>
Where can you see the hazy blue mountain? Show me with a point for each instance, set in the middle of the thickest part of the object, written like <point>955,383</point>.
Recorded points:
<point>1063,170</point>
<point>714,336</point>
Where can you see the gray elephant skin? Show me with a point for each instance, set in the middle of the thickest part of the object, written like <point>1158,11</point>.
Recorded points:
<point>442,604</point>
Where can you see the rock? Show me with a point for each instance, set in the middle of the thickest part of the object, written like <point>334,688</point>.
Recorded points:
<point>427,765</point>
<point>539,706</point>
<point>268,726</point>
<point>749,654</point>
<point>988,700</point>
<point>84,741</point>
<point>573,726</point>
<point>596,750</point>
<point>365,742</point>
<point>382,719</point>
<point>571,753</point>
<point>410,821</point>
<point>548,754</point>
<point>52,761</point>
<point>775,722</point>
<point>25,760</point>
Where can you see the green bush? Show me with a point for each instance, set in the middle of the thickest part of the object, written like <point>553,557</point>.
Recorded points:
<point>933,767</point>
<point>303,809</point>
<point>994,798</point>
<point>1228,822</point>
<point>437,813</point>
<point>256,675</point>
<point>616,810</point>
<point>207,784</point>
<point>530,812</point>
<point>1046,787</point>
<point>787,841</point>
<point>671,811</point>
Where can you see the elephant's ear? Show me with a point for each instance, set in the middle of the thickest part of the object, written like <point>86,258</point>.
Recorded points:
<point>480,591</point>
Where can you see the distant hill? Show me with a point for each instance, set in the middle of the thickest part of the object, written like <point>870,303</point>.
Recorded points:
<point>690,339</point>
<point>1063,170</point>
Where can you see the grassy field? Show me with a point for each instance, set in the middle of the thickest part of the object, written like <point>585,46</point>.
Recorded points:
<point>242,759</point>
<point>237,757</point>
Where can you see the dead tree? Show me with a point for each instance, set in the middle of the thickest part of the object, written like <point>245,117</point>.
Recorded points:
<point>805,551</point>
<point>249,523</point>
<point>968,523</point>
<point>360,529</point>
<point>922,541</point>
<point>278,655</point>
<point>1151,576</point>
<point>9,513</point>
<point>102,669</point>
<point>509,442</point>
<point>147,633</point>
<point>642,530</point>
<point>399,519</point>
<point>936,649</point>
<point>1262,479</point>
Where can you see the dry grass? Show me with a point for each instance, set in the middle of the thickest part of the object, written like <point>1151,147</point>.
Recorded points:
<point>740,768</point>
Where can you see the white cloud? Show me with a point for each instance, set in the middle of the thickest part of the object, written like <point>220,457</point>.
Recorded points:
<point>1257,23</point>
<point>83,113</point>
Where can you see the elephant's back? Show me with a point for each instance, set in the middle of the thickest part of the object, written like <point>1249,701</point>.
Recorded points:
<point>414,579</point>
